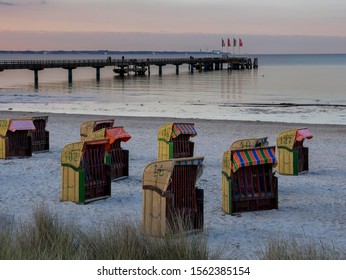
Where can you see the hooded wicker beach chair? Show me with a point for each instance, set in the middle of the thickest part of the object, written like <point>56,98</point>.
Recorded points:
<point>174,140</point>
<point>15,138</point>
<point>293,157</point>
<point>248,178</point>
<point>119,157</point>
<point>39,136</point>
<point>86,171</point>
<point>171,200</point>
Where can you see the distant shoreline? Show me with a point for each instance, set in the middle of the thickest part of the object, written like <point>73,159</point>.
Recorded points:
<point>102,52</point>
<point>143,52</point>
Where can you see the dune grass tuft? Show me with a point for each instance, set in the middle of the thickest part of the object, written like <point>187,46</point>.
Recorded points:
<point>292,249</point>
<point>47,238</point>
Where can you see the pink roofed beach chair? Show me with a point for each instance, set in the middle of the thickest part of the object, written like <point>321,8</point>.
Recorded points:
<point>15,140</point>
<point>293,157</point>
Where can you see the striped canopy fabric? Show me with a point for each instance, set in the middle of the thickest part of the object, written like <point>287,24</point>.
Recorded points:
<point>249,157</point>
<point>183,128</point>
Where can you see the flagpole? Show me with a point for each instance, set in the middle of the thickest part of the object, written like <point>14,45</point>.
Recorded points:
<point>234,45</point>
<point>240,44</point>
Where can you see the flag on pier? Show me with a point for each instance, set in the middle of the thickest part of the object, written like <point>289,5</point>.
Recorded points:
<point>240,42</point>
<point>234,42</point>
<point>223,42</point>
<point>228,42</point>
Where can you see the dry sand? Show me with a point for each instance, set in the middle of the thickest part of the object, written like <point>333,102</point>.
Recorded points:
<point>311,206</point>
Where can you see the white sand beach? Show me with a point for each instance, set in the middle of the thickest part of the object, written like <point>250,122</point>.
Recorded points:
<point>311,205</point>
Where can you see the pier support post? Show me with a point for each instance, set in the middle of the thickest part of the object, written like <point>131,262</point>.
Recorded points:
<point>148,66</point>
<point>98,74</point>
<point>160,70</point>
<point>192,66</point>
<point>177,69</point>
<point>36,69</point>
<point>36,78</point>
<point>69,73</point>
<point>70,76</point>
<point>255,63</point>
<point>217,66</point>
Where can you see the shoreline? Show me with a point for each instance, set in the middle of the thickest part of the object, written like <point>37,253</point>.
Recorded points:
<point>311,206</point>
<point>252,108</point>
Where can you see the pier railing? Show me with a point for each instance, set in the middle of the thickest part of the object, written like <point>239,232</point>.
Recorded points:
<point>123,66</point>
<point>97,63</point>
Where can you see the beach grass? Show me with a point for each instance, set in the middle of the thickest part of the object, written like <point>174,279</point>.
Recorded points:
<point>292,248</point>
<point>47,238</point>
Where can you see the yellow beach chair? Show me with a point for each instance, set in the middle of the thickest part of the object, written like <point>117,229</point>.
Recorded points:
<point>15,140</point>
<point>119,157</point>
<point>171,197</point>
<point>86,171</point>
<point>293,157</point>
<point>174,140</point>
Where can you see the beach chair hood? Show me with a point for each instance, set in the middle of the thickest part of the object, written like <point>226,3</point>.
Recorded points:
<point>157,175</point>
<point>235,159</point>
<point>249,143</point>
<point>289,137</point>
<point>112,134</point>
<point>173,130</point>
<point>72,153</point>
<point>15,125</point>
<point>303,133</point>
<point>89,126</point>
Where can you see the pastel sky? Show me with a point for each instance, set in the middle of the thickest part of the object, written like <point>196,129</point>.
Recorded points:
<point>265,26</point>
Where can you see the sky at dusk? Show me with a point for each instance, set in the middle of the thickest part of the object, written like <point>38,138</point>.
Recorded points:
<point>265,26</point>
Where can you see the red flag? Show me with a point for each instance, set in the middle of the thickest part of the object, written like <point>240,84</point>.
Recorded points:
<point>223,43</point>
<point>240,43</point>
<point>234,42</point>
<point>228,42</point>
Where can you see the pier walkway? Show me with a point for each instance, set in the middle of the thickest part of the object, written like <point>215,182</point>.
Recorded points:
<point>125,66</point>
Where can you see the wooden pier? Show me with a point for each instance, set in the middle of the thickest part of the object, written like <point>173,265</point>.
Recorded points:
<point>126,66</point>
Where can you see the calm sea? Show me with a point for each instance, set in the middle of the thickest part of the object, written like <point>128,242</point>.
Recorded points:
<point>287,88</point>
